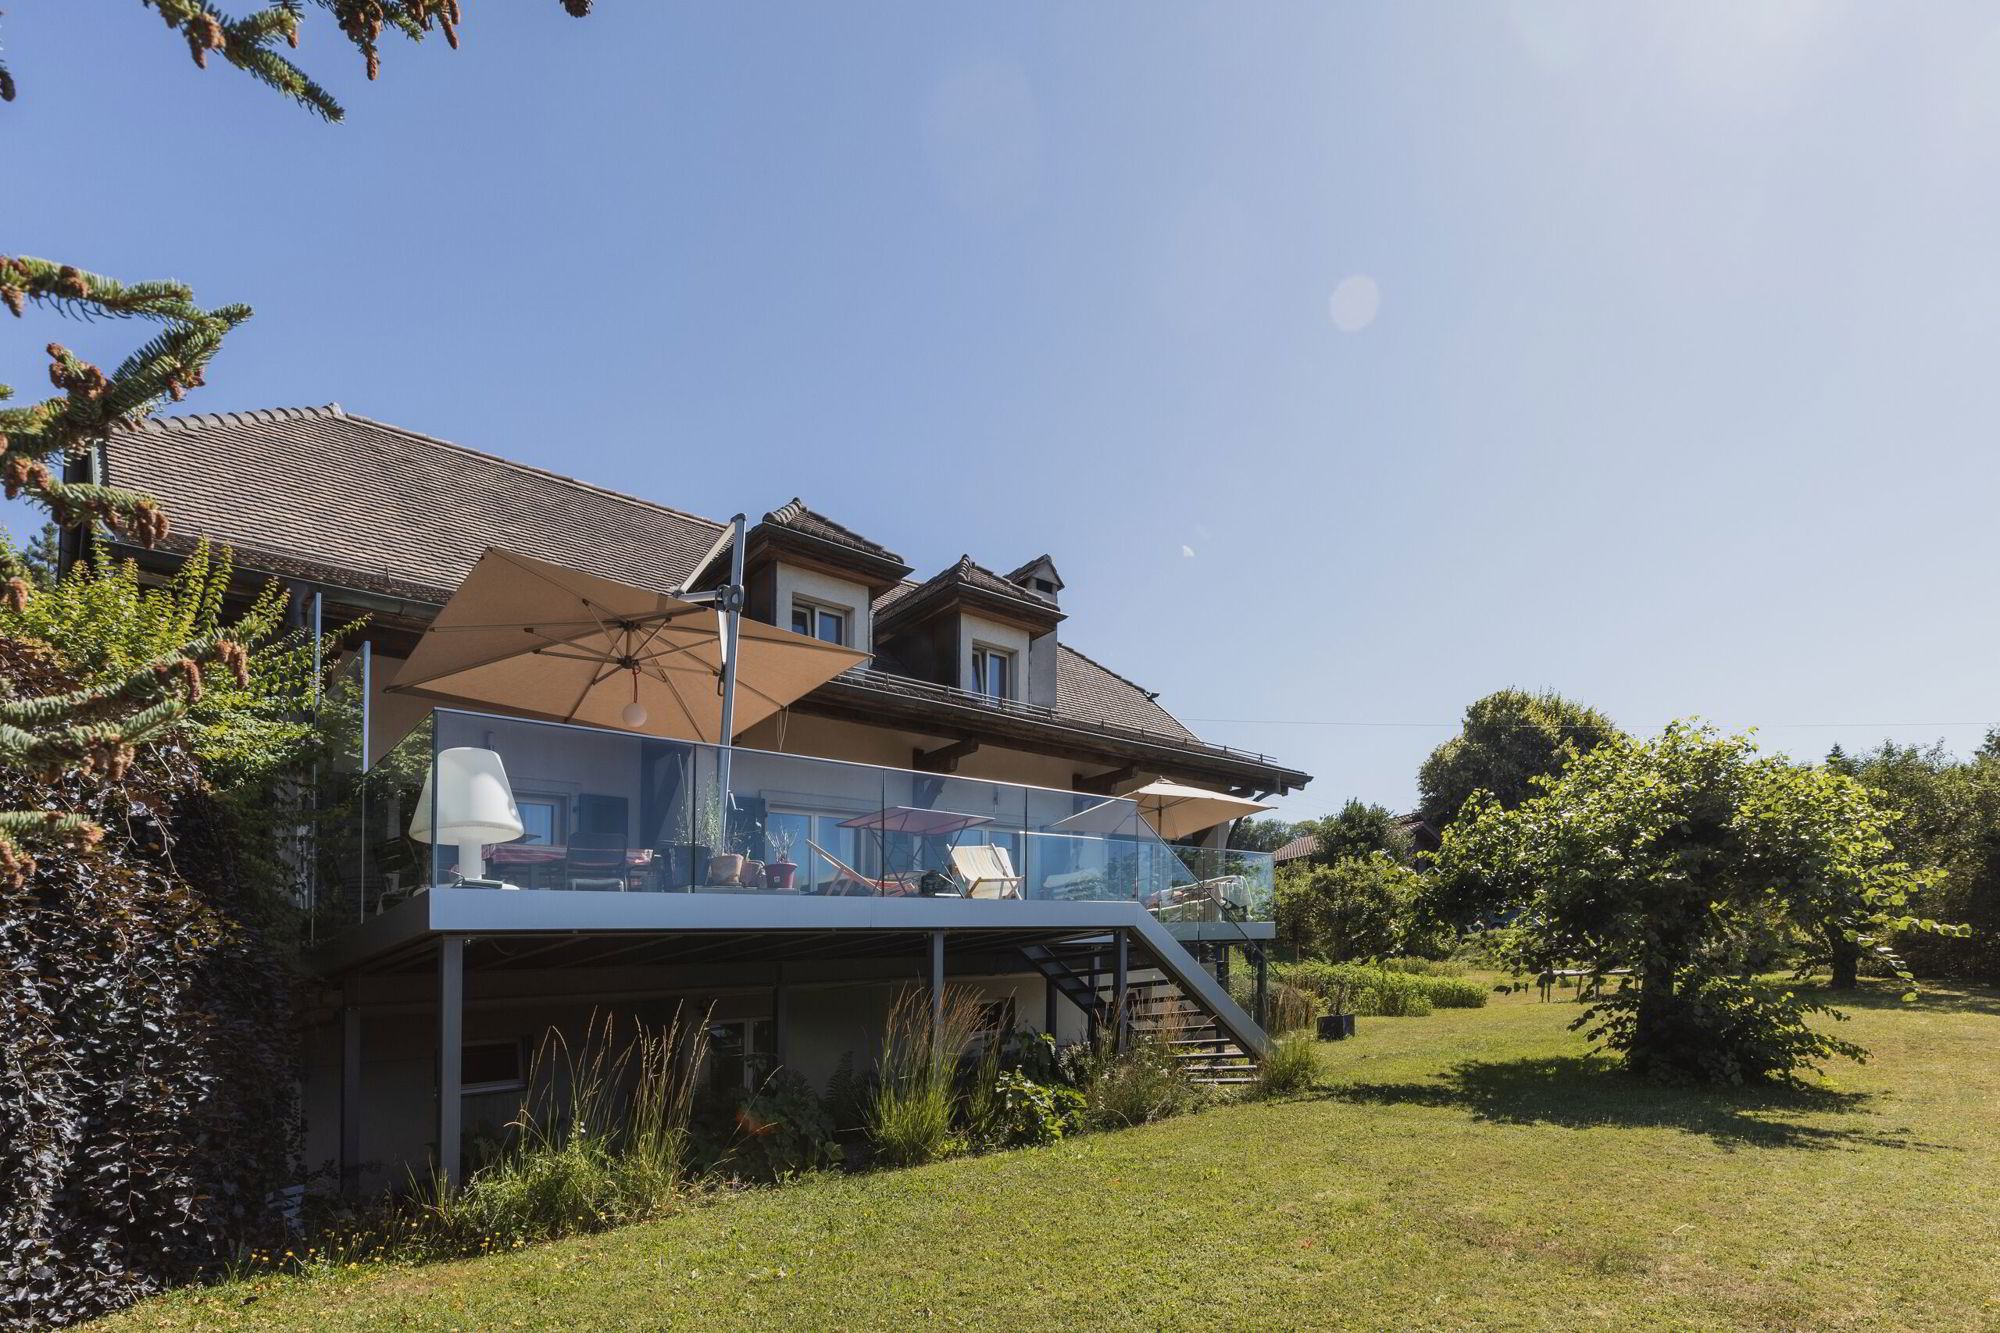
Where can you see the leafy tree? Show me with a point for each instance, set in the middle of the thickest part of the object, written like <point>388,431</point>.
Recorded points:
<point>1509,739</point>
<point>1358,907</point>
<point>1360,830</point>
<point>1944,818</point>
<point>1686,859</point>
<point>1261,835</point>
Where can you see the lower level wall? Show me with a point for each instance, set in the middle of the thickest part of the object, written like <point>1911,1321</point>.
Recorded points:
<point>825,1022</point>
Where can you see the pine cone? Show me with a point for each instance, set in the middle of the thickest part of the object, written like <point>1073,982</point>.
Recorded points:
<point>17,593</point>
<point>14,297</point>
<point>70,283</point>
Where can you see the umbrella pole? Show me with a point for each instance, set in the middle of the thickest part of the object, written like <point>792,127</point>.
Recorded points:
<point>732,620</point>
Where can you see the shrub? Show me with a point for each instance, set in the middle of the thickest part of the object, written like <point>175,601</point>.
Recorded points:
<point>1292,1008</point>
<point>1142,1084</point>
<point>1378,992</point>
<point>1453,992</point>
<point>910,1113</point>
<point>1353,908</point>
<point>1031,1114</point>
<point>146,1112</point>
<point>602,1138</point>
<point>1423,967</point>
<point>1392,995</point>
<point>1290,1066</point>
<point>780,1130</point>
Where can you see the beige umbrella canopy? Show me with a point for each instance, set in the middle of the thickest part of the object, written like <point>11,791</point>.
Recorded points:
<point>1176,811</point>
<point>1173,810</point>
<point>545,641</point>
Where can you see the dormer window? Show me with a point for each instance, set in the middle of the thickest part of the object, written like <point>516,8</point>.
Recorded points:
<point>993,673</point>
<point>1045,586</point>
<point>819,622</point>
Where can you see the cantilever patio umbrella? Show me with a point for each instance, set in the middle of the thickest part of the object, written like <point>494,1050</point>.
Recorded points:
<point>545,641</point>
<point>1173,809</point>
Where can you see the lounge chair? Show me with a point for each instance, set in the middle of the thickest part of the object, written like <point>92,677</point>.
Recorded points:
<point>595,861</point>
<point>987,870</point>
<point>880,888</point>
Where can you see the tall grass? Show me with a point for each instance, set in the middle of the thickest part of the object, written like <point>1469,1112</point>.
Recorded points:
<point>601,1138</point>
<point>1291,1065</point>
<point>1145,1082</point>
<point>910,1113</point>
<point>1365,989</point>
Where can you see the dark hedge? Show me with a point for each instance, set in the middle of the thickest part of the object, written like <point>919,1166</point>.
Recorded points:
<point>147,1042</point>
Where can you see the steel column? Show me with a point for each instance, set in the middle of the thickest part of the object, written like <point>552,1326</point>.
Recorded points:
<point>350,1100</point>
<point>937,988</point>
<point>1121,1015</point>
<point>451,1042</point>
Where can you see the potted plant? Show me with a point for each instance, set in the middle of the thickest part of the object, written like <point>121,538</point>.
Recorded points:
<point>725,868</point>
<point>1338,1020</point>
<point>780,872</point>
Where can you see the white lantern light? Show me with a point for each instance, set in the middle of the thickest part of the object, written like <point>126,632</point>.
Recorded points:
<point>633,715</point>
<point>474,806</point>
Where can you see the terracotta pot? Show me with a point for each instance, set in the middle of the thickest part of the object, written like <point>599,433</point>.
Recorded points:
<point>753,875</point>
<point>725,868</point>
<point>781,874</point>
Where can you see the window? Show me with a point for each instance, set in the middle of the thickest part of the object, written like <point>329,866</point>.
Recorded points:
<point>993,673</point>
<point>816,874</point>
<point>819,622</point>
<point>541,818</point>
<point>491,1066</point>
<point>741,1054</point>
<point>1043,585</point>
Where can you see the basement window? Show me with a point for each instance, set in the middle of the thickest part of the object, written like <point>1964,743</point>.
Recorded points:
<point>492,1066</point>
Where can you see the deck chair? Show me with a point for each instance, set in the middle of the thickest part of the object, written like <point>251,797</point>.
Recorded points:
<point>881,888</point>
<point>987,870</point>
<point>595,861</point>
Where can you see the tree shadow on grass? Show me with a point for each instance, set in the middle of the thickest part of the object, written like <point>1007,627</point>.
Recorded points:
<point>1937,997</point>
<point>1589,1091</point>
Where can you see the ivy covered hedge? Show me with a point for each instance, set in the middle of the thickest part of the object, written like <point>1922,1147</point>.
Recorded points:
<point>147,1041</point>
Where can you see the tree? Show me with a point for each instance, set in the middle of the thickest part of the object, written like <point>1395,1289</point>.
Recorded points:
<point>1358,907</point>
<point>1261,835</point>
<point>1686,859</point>
<point>1509,739</point>
<point>1360,830</point>
<point>96,728</point>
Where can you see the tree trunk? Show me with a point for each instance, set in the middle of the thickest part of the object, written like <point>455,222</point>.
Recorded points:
<point>1652,1031</point>
<point>1846,955</point>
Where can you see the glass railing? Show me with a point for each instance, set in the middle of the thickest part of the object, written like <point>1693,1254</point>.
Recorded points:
<point>613,811</point>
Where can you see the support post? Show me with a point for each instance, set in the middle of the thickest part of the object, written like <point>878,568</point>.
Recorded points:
<point>1122,1015</point>
<point>781,1021</point>
<point>1050,994</point>
<point>451,1041</point>
<point>1222,965</point>
<point>937,988</point>
<point>350,1099</point>
<point>1263,990</point>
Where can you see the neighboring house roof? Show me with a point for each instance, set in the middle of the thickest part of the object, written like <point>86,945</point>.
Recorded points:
<point>1021,574</point>
<point>966,583</point>
<point>411,514</point>
<point>1306,844</point>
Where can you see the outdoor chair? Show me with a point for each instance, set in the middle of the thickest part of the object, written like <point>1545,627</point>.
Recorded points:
<point>987,870</point>
<point>880,888</point>
<point>595,861</point>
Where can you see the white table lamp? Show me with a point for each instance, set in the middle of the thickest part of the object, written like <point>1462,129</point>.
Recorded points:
<point>475,807</point>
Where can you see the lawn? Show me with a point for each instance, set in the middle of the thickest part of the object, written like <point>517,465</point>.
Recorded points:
<point>1472,1169</point>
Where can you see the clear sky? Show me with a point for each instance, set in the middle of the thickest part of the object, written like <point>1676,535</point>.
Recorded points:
<point>1352,360</point>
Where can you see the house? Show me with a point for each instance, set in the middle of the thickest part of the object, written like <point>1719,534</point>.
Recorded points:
<point>968,733</point>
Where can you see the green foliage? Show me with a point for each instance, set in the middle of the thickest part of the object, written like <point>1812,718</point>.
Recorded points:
<point>1291,1008</point>
<point>1423,967</point>
<point>1509,739</point>
<point>1685,859</point>
<point>911,1113</point>
<point>1261,835</point>
<point>602,1138</point>
<point>1033,1115</point>
<point>146,1112</point>
<point>106,625</point>
<point>1944,817</point>
<point>1355,908</point>
<point>1374,991</point>
<point>1139,1085</point>
<point>778,1130</point>
<point>1358,831</point>
<point>1291,1066</point>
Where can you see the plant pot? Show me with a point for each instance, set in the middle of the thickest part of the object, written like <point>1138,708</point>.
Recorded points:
<point>687,865</point>
<point>753,875</point>
<point>725,869</point>
<point>781,874</point>
<point>1333,1027</point>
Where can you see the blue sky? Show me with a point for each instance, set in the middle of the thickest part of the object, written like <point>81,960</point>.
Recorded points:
<point>1660,370</point>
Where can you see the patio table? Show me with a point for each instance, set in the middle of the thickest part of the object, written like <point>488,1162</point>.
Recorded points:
<point>532,855</point>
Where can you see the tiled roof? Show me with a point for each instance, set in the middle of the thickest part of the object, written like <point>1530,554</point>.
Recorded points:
<point>1022,573</point>
<point>796,516</point>
<point>1306,844</point>
<point>324,494</point>
<point>408,509</point>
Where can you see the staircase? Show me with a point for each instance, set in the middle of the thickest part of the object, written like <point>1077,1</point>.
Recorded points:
<point>1158,1006</point>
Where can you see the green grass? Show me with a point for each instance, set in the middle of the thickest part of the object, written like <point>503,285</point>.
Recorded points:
<point>1474,1170</point>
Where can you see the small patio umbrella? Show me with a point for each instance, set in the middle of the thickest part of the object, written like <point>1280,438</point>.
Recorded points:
<point>1174,810</point>
<point>541,640</point>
